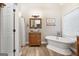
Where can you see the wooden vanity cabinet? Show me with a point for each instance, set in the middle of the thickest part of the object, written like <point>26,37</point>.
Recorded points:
<point>77,45</point>
<point>34,38</point>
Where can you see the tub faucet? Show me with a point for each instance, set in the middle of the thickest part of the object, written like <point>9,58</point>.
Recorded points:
<point>58,34</point>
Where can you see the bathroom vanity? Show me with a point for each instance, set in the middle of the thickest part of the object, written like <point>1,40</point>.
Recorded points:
<point>35,35</point>
<point>34,38</point>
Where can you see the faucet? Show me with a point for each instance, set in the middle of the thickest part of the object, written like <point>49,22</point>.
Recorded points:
<point>58,34</point>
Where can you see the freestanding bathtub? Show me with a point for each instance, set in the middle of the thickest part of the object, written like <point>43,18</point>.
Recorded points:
<point>59,44</point>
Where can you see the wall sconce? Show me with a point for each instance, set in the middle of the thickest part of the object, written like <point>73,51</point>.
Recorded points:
<point>35,15</point>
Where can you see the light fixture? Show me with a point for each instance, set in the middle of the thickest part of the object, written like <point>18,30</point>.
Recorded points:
<point>36,15</point>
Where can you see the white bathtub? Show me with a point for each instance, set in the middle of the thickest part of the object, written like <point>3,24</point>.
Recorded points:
<point>60,45</point>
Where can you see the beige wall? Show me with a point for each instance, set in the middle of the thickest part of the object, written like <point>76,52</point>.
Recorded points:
<point>46,11</point>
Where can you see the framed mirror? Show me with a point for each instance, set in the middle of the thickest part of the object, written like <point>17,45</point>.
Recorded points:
<point>35,23</point>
